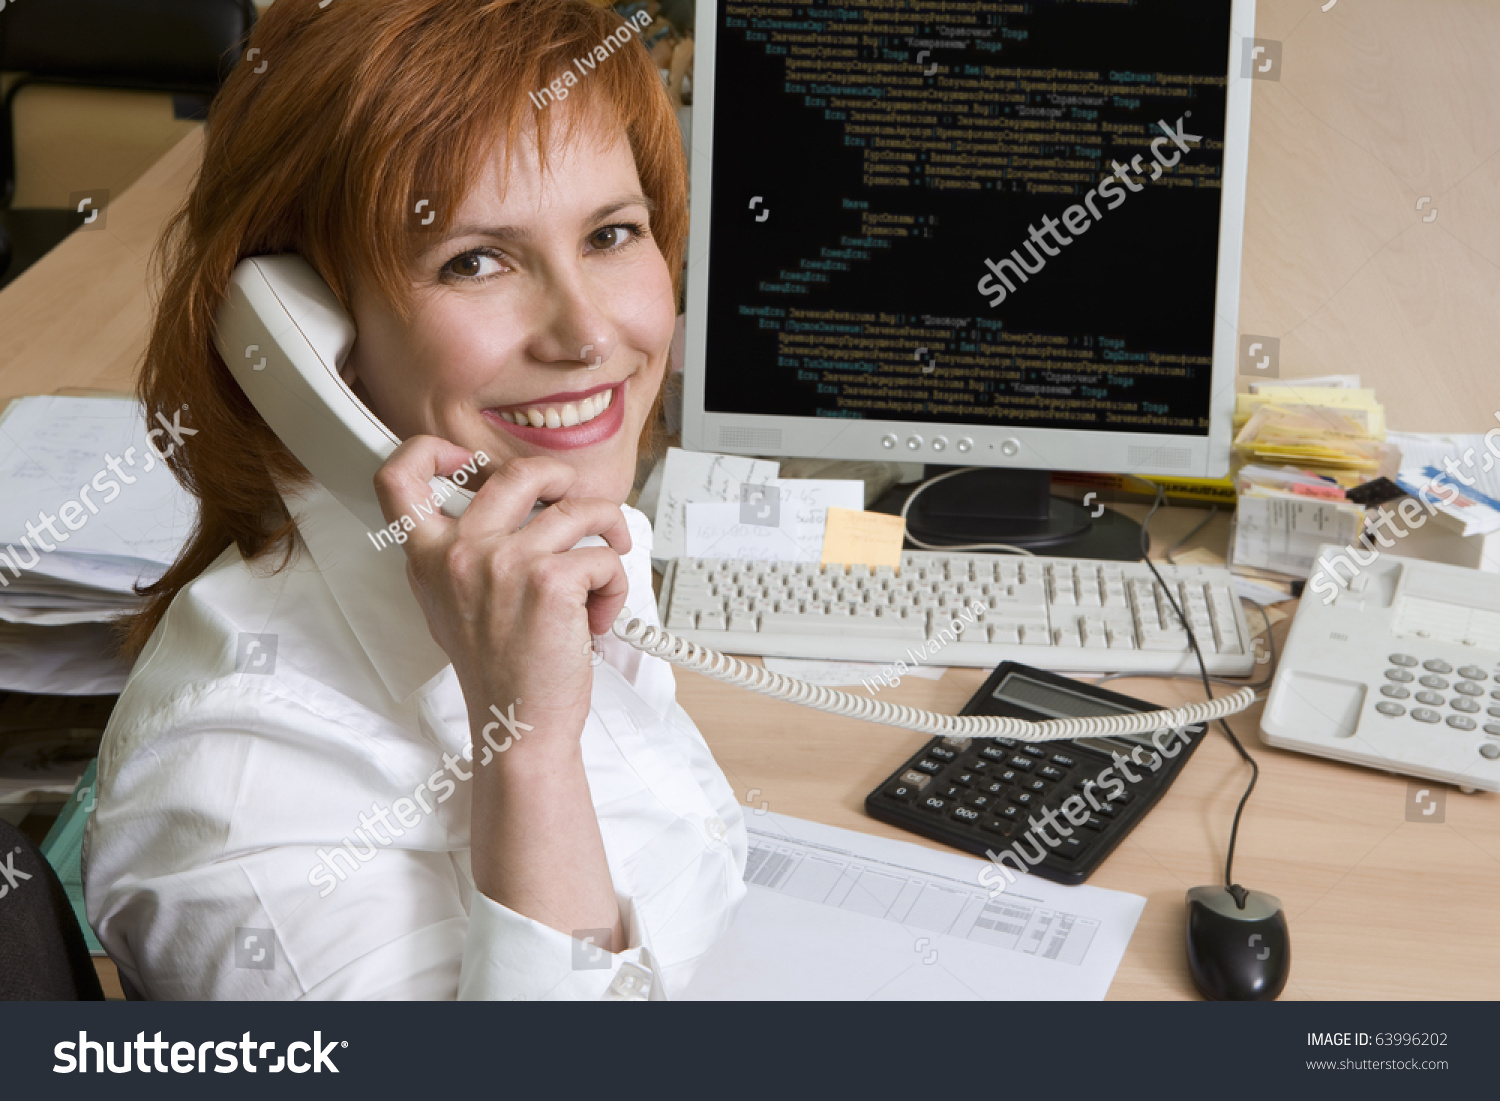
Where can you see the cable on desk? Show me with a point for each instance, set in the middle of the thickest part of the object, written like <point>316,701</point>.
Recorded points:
<point>1234,831</point>
<point>1203,523</point>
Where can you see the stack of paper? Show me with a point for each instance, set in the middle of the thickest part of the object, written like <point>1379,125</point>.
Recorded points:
<point>91,511</point>
<point>1457,475</point>
<point>729,506</point>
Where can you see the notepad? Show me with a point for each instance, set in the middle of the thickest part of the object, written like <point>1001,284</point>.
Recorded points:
<point>862,538</point>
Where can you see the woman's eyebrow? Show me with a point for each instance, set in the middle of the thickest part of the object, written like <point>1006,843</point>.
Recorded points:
<point>522,233</point>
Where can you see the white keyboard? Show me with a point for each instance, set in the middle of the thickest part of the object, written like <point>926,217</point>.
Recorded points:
<point>1065,614</point>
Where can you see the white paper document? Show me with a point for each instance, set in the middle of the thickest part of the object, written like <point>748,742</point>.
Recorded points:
<point>783,521</point>
<point>1284,533</point>
<point>690,476</point>
<point>833,914</point>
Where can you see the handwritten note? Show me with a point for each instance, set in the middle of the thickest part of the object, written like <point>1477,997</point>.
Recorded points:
<point>868,538</point>
<point>697,476</point>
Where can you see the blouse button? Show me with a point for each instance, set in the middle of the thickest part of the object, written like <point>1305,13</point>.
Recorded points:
<point>716,828</point>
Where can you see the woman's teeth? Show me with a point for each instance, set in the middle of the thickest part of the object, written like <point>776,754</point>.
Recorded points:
<point>562,416</point>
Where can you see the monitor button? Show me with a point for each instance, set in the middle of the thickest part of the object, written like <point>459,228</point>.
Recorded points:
<point>940,443</point>
<point>1010,448</point>
<point>913,442</point>
<point>888,441</point>
<point>965,444</point>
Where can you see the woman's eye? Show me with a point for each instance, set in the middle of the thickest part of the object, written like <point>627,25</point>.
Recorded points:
<point>474,265</point>
<point>612,237</point>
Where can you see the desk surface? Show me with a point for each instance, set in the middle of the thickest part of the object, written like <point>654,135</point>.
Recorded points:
<point>1378,105</point>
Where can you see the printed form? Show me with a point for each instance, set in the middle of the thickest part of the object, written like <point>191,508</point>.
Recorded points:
<point>834,914</point>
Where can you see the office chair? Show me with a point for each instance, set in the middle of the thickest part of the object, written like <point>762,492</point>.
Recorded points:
<point>97,90</point>
<point>43,956</point>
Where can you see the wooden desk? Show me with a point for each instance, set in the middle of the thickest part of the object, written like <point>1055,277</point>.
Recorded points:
<point>1378,907</point>
<point>1379,103</point>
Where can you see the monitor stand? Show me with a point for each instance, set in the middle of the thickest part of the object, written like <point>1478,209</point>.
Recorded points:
<point>1015,507</point>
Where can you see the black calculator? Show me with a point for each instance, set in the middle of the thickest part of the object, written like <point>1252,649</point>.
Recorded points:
<point>1060,807</point>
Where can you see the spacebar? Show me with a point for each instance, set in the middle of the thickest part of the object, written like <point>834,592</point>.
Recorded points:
<point>842,626</point>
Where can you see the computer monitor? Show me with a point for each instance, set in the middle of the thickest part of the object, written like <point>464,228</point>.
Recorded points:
<point>992,234</point>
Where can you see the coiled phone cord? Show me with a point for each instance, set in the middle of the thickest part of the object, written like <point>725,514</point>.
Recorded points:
<point>661,643</point>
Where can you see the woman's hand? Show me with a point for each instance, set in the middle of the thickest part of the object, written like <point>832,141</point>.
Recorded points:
<point>514,610</point>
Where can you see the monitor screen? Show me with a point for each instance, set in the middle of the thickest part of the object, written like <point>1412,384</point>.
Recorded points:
<point>969,216</point>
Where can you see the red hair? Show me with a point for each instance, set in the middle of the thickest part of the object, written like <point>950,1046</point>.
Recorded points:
<point>362,105</point>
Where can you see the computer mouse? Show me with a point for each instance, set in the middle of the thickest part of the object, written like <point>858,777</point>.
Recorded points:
<point>1237,944</point>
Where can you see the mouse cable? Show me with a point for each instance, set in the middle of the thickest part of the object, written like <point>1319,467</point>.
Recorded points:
<point>1234,888</point>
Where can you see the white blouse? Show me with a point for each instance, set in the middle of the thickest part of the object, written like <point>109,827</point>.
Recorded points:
<point>283,809</point>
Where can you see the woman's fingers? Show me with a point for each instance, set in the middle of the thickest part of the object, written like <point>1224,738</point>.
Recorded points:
<point>402,484</point>
<point>604,575</point>
<point>562,524</point>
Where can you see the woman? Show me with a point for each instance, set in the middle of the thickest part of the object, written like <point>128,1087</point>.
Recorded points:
<point>306,790</point>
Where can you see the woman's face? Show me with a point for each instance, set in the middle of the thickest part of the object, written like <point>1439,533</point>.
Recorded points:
<point>541,319</point>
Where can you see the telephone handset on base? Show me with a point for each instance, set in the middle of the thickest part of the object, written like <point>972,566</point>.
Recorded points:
<point>284,337</point>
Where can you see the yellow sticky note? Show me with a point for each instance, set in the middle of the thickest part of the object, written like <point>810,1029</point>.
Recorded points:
<point>856,538</point>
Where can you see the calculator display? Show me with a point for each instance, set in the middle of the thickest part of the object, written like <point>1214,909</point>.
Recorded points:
<point>1054,702</point>
<point>1059,703</point>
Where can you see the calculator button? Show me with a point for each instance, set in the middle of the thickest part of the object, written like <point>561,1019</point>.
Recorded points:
<point>951,792</point>
<point>1033,751</point>
<point>979,766</point>
<point>1009,743</point>
<point>1468,688</point>
<point>998,825</point>
<point>994,753</point>
<point>941,752</point>
<point>1063,762</point>
<point>965,779</point>
<point>966,815</point>
<point>953,741</point>
<point>929,766</point>
<point>1386,707</point>
<point>1051,773</point>
<point>1473,672</point>
<point>1070,848</point>
<point>1394,691</point>
<point>1490,751</point>
<point>1460,722</point>
<point>1108,810</point>
<point>1402,659</point>
<point>1024,798</point>
<point>1425,715</point>
<point>1492,729</point>
<point>980,801</point>
<point>913,778</point>
<point>1122,799</point>
<point>1093,822</point>
<point>1035,785</point>
<point>1022,763</point>
<point>1464,704</point>
<point>1009,813</point>
<point>1437,665</point>
<point>1432,682</point>
<point>1432,699</point>
<point>934,803</point>
<point>994,787</point>
<point>1400,676</point>
<point>1009,776</point>
<point>901,792</point>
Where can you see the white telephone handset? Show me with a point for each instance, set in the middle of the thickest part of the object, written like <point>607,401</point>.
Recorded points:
<point>284,336</point>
